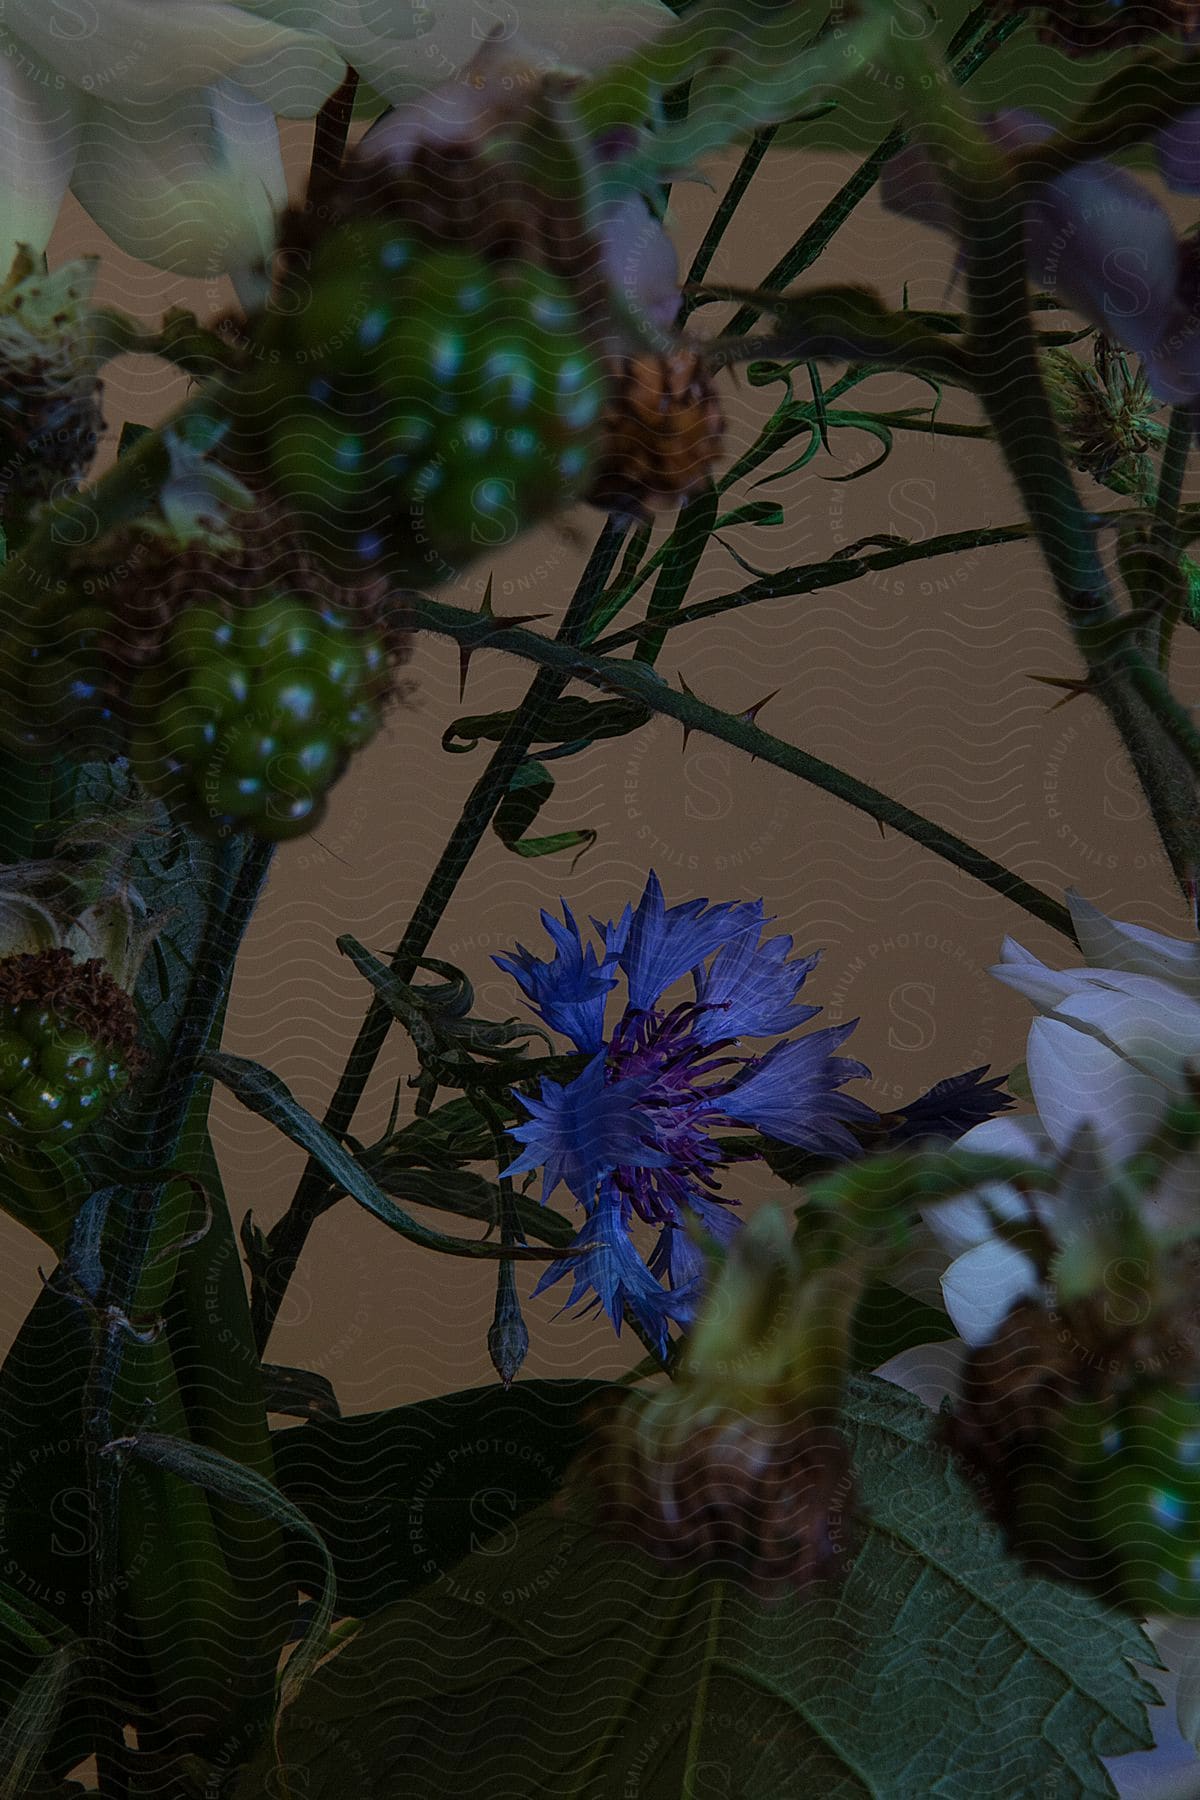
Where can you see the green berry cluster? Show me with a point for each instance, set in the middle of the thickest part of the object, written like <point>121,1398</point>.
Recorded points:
<point>1115,1489</point>
<point>253,711</point>
<point>55,1079</point>
<point>423,405</point>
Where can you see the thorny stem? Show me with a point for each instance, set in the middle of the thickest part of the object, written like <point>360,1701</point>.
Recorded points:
<point>312,1195</point>
<point>1157,731</point>
<point>833,216</point>
<point>634,681</point>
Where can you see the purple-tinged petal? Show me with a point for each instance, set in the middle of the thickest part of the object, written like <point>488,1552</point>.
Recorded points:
<point>1099,241</point>
<point>911,185</point>
<point>792,1094</point>
<point>570,990</point>
<point>749,990</point>
<point>664,942</point>
<point>1177,152</point>
<point>582,1129</point>
<point>640,261</point>
<point>1014,128</point>
<point>614,1273</point>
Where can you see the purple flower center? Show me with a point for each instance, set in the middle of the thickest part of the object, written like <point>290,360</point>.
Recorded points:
<point>664,1048</point>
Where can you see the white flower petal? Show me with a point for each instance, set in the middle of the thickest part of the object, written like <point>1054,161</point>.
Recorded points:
<point>1020,970</point>
<point>405,51</point>
<point>39,134</point>
<point>1112,1059</point>
<point>1009,1134</point>
<point>193,184</point>
<point>964,1221</point>
<point>982,1285</point>
<point>1112,944</point>
<point>126,51</point>
<point>930,1371</point>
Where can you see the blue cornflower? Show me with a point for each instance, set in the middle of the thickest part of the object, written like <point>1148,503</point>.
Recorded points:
<point>631,1135</point>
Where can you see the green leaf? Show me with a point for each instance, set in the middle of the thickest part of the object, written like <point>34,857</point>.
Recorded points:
<point>130,435</point>
<point>298,1393</point>
<point>553,1650</point>
<point>470,1196</point>
<point>399,1497</point>
<point>528,792</point>
<point>888,1321</point>
<point>570,723</point>
<point>217,1475</point>
<point>753,512</point>
<point>28,1727</point>
<point>262,1092</point>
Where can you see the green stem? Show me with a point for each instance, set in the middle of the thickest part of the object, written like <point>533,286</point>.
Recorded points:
<point>1165,607</point>
<point>312,1196</point>
<point>1173,469</point>
<point>129,1246</point>
<point>730,201</point>
<point>812,578</point>
<point>834,214</point>
<point>1159,736</point>
<point>640,683</point>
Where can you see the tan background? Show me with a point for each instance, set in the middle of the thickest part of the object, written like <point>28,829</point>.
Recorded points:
<point>917,680</point>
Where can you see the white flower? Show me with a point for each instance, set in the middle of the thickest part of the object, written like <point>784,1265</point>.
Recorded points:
<point>160,114</point>
<point>1109,1051</point>
<point>405,47</point>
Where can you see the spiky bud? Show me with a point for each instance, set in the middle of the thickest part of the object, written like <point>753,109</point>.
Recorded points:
<point>50,420</point>
<point>739,1465</point>
<point>1106,414</point>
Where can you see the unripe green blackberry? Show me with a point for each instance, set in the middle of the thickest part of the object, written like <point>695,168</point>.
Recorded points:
<point>421,405</point>
<point>67,1044</point>
<point>253,710</point>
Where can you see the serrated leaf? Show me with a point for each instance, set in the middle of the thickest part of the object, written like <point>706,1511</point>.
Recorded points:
<point>402,1495</point>
<point>557,1655</point>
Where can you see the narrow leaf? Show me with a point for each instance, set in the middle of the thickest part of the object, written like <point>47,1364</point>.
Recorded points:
<point>26,1732</point>
<point>264,1093</point>
<point>228,1480</point>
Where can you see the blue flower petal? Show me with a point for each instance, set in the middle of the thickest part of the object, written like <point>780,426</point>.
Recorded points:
<point>678,1258</point>
<point>792,1093</point>
<point>951,1108</point>
<point>582,1129</point>
<point>569,991</point>
<point>613,1272</point>
<point>664,942</point>
<point>751,990</point>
